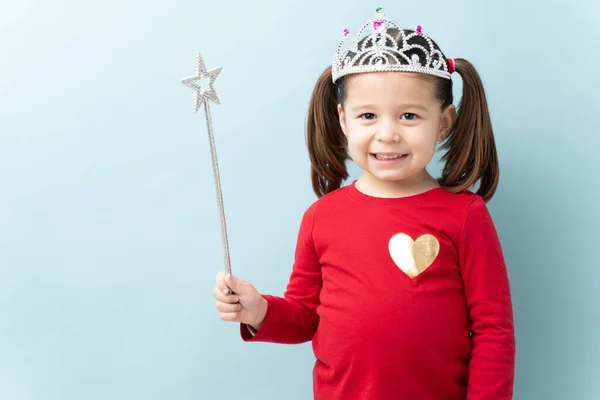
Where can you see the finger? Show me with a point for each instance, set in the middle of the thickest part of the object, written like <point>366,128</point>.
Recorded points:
<point>223,288</point>
<point>233,283</point>
<point>228,283</point>
<point>221,280</point>
<point>228,308</point>
<point>225,298</point>
<point>231,317</point>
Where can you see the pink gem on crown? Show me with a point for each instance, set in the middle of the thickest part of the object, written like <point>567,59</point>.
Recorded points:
<point>379,26</point>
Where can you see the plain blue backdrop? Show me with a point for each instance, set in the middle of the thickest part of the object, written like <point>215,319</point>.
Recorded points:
<point>109,227</point>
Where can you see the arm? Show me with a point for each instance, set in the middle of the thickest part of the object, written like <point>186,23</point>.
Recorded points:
<point>293,318</point>
<point>491,368</point>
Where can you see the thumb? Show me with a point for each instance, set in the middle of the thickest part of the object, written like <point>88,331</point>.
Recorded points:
<point>237,285</point>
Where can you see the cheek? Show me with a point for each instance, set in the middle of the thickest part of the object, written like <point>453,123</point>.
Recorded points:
<point>356,147</point>
<point>358,136</point>
<point>422,142</point>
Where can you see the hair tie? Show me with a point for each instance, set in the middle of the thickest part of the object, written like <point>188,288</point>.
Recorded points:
<point>451,65</point>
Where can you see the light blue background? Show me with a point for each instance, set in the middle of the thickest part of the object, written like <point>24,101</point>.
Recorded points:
<point>109,229</point>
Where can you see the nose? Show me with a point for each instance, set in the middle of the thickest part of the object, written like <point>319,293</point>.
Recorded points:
<point>387,131</point>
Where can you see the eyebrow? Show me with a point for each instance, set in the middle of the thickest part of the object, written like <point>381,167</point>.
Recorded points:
<point>370,106</point>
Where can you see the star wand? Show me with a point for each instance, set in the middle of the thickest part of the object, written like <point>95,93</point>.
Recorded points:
<point>202,84</point>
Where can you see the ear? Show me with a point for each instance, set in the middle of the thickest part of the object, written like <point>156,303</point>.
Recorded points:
<point>447,120</point>
<point>342,116</point>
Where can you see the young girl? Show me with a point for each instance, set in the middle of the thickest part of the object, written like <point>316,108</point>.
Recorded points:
<point>399,279</point>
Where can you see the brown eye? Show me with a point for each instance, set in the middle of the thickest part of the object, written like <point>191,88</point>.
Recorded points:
<point>410,116</point>
<point>368,116</point>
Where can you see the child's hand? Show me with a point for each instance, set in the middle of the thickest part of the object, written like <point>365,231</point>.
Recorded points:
<point>245,305</point>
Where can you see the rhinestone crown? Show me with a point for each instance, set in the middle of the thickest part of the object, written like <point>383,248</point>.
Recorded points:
<point>376,51</point>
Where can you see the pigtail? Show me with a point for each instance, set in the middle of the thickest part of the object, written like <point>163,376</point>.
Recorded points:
<point>471,150</point>
<point>325,139</point>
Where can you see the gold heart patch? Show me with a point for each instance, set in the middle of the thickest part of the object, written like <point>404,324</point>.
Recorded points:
<point>413,256</point>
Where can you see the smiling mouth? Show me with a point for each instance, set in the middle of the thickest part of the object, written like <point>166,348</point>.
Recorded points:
<point>388,156</point>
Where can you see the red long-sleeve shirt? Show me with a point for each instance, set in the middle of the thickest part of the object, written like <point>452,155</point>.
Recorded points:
<point>380,328</point>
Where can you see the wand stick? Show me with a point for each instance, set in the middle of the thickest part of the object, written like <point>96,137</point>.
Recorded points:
<point>217,178</point>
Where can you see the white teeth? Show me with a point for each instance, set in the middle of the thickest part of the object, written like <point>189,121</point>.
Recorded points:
<point>384,157</point>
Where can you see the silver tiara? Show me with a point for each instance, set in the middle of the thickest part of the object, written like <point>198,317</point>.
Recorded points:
<point>379,48</point>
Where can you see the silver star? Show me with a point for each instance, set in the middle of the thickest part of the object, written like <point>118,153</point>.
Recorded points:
<point>203,94</point>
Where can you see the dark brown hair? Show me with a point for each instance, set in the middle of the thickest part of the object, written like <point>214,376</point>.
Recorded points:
<point>470,155</point>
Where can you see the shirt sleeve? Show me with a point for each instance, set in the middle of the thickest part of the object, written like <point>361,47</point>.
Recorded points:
<point>293,318</point>
<point>491,367</point>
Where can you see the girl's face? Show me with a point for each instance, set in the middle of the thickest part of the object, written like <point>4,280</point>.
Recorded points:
<point>393,123</point>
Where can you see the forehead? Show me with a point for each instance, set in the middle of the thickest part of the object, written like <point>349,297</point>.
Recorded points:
<point>389,86</point>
